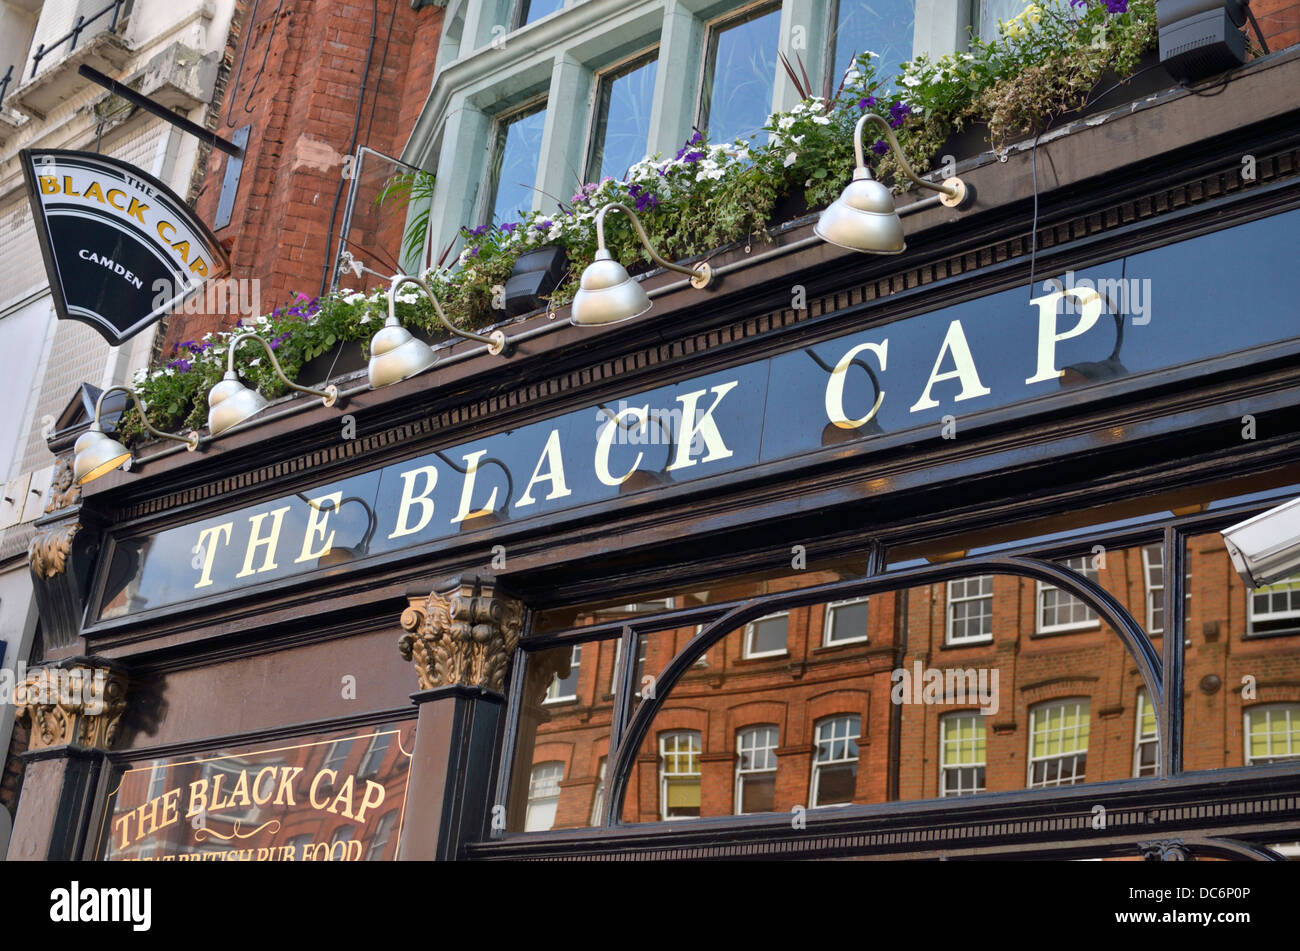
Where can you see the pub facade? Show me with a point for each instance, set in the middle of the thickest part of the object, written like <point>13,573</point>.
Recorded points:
<point>911,555</point>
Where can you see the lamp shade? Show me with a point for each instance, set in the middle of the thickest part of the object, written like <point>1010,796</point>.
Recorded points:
<point>95,455</point>
<point>396,355</point>
<point>607,294</point>
<point>863,218</point>
<point>230,402</point>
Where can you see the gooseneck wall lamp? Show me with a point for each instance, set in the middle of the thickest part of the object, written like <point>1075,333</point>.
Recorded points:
<point>396,355</point>
<point>864,218</point>
<point>231,402</point>
<point>95,454</point>
<point>607,293</point>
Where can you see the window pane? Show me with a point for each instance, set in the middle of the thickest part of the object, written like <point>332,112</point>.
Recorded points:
<point>846,621</point>
<point>533,10</point>
<point>768,635</point>
<point>739,76</point>
<point>543,796</point>
<point>622,121</point>
<point>883,27</point>
<point>515,156</point>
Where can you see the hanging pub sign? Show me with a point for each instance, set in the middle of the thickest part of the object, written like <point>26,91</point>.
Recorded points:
<point>120,248</point>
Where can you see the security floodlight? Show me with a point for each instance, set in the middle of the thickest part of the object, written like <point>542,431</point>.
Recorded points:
<point>1199,38</point>
<point>1266,548</point>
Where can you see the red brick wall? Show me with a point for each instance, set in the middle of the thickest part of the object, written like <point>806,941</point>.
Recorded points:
<point>1280,22</point>
<point>303,110</point>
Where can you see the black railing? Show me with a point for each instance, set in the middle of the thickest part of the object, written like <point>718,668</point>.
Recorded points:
<point>73,35</point>
<point>4,84</point>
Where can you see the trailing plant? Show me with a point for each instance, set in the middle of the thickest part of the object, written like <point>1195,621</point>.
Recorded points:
<point>1044,62</point>
<point>403,190</point>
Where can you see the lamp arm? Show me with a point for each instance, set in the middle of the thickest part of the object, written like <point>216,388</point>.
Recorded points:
<point>700,275</point>
<point>491,460</point>
<point>496,341</point>
<point>950,190</point>
<point>328,396</point>
<point>191,441</point>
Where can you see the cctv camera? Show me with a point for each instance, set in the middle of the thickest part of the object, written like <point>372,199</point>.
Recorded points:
<point>1266,548</point>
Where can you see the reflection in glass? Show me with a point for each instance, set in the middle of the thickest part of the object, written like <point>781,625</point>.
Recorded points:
<point>739,73</point>
<point>766,637</point>
<point>1242,707</point>
<point>1058,743</point>
<point>883,27</point>
<point>530,11</point>
<point>962,754</point>
<point>756,769</point>
<point>516,152</point>
<point>1061,611</point>
<point>846,622</point>
<point>835,766</point>
<point>679,774</point>
<point>896,709</point>
<point>543,796</point>
<point>619,133</point>
<point>1146,755</point>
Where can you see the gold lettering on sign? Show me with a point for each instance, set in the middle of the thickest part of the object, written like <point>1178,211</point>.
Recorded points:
<point>317,522</point>
<point>704,427</point>
<point>954,342</point>
<point>606,439</point>
<point>467,490</point>
<point>256,541</point>
<point>835,386</point>
<point>552,458</point>
<point>209,538</point>
<point>409,498</point>
<point>1048,338</point>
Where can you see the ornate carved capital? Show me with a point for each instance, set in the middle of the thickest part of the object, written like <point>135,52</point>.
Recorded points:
<point>73,703</point>
<point>1164,850</point>
<point>462,634</point>
<point>50,547</point>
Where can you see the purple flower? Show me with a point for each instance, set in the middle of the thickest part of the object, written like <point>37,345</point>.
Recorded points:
<point>473,252</point>
<point>897,113</point>
<point>188,345</point>
<point>480,230</point>
<point>867,103</point>
<point>509,226</point>
<point>685,150</point>
<point>881,147</point>
<point>276,341</point>
<point>546,225</point>
<point>690,158</point>
<point>1116,6</point>
<point>182,365</point>
<point>1078,3</point>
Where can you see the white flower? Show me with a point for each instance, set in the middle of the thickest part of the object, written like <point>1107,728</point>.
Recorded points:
<point>852,76</point>
<point>785,123</point>
<point>791,159</point>
<point>822,120</point>
<point>256,361</point>
<point>911,82</point>
<point>365,318</point>
<point>797,139</point>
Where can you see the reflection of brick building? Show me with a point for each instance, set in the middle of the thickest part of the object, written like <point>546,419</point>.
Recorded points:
<point>795,709</point>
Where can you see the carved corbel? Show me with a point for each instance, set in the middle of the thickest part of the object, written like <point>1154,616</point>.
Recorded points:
<point>463,634</point>
<point>77,702</point>
<point>50,547</point>
<point>1164,850</point>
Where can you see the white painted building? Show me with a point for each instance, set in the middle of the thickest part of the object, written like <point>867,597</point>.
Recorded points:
<point>170,50</point>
